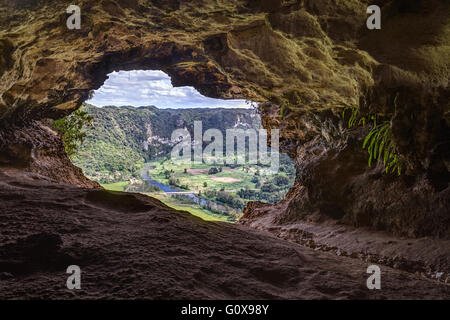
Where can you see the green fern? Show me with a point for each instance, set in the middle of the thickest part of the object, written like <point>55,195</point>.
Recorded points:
<point>355,119</point>
<point>379,142</point>
<point>282,107</point>
<point>381,147</point>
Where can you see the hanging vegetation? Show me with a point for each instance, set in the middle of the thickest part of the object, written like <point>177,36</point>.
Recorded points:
<point>379,142</point>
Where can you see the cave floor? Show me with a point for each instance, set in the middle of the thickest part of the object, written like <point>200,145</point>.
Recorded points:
<point>131,246</point>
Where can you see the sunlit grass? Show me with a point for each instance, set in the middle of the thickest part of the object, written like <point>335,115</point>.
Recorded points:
<point>174,203</point>
<point>117,186</point>
<point>193,209</point>
<point>195,181</point>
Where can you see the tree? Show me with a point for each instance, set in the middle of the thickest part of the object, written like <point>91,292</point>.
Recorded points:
<point>213,170</point>
<point>255,179</point>
<point>268,187</point>
<point>167,174</point>
<point>173,181</point>
<point>247,194</point>
<point>71,129</point>
<point>281,180</point>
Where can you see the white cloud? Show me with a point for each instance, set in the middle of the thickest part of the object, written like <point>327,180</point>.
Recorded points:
<point>143,88</point>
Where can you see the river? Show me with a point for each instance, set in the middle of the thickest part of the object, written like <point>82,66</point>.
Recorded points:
<point>193,197</point>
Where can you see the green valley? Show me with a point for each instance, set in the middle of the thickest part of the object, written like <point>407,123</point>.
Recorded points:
<point>128,149</point>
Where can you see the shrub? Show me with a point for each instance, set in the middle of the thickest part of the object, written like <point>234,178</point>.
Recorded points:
<point>268,187</point>
<point>172,181</point>
<point>71,129</point>
<point>213,170</point>
<point>255,179</point>
<point>281,180</point>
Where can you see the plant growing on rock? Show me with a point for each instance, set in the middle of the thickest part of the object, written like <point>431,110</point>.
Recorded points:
<point>355,118</point>
<point>381,147</point>
<point>378,142</point>
<point>71,129</point>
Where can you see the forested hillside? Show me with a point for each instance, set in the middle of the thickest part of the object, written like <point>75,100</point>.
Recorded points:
<point>121,139</point>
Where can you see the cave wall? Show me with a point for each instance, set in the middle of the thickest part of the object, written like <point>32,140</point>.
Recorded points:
<point>305,57</point>
<point>39,149</point>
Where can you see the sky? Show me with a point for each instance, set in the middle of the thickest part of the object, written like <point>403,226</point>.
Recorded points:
<point>144,88</point>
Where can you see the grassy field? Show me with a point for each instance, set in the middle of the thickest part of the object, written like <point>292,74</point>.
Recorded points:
<point>118,186</point>
<point>193,209</point>
<point>195,178</point>
<point>175,203</point>
<point>197,174</point>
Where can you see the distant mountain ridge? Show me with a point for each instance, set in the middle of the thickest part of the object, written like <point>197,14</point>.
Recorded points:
<point>123,138</point>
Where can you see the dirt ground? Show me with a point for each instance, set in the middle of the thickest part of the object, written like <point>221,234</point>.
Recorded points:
<point>129,246</point>
<point>225,179</point>
<point>196,172</point>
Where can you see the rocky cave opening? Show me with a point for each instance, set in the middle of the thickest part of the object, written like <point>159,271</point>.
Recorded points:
<point>127,137</point>
<point>304,63</point>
